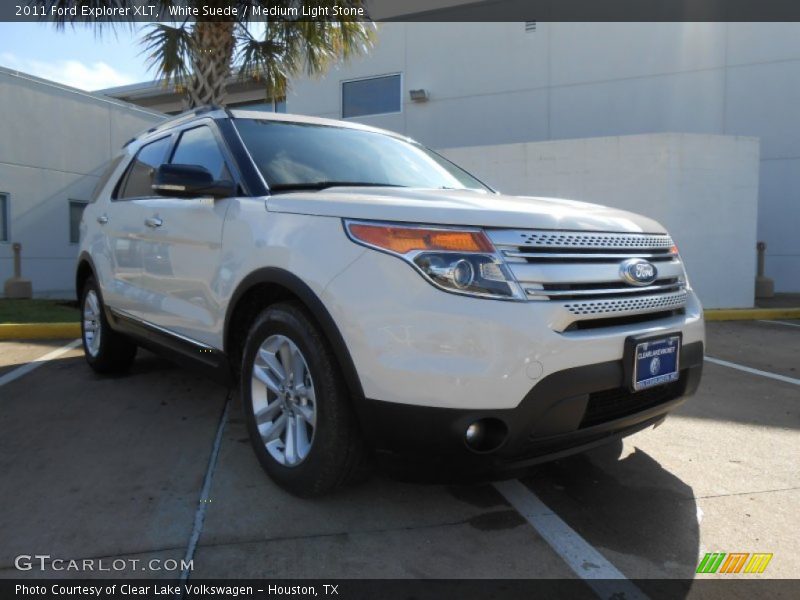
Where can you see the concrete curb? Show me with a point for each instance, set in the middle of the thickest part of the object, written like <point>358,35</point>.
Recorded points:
<point>751,314</point>
<point>39,331</point>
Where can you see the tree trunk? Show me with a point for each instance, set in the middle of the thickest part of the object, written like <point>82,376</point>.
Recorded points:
<point>212,53</point>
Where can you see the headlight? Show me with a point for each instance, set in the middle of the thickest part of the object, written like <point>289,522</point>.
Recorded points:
<point>463,261</point>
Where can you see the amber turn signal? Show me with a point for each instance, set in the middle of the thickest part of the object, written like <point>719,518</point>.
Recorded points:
<point>403,240</point>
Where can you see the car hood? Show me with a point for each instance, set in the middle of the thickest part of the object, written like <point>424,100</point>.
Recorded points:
<point>460,207</point>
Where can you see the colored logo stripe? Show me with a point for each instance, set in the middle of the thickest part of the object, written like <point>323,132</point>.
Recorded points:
<point>711,562</point>
<point>758,563</point>
<point>734,562</point>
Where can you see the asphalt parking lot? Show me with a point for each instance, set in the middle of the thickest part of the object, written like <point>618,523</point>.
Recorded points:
<point>120,468</point>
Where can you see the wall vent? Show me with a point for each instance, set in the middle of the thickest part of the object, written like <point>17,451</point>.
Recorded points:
<point>530,26</point>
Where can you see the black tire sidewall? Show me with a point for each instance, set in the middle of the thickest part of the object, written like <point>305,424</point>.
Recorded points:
<point>115,353</point>
<point>322,468</point>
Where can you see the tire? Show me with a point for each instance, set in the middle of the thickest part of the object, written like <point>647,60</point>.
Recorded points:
<point>105,350</point>
<point>305,436</point>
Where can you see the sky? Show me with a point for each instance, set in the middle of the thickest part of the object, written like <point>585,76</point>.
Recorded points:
<point>74,56</point>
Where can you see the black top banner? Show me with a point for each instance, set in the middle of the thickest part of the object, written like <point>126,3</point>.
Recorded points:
<point>89,11</point>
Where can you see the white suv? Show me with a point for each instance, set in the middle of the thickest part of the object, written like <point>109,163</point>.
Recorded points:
<point>370,295</point>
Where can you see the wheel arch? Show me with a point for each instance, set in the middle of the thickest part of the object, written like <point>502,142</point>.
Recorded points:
<point>84,270</point>
<point>267,286</point>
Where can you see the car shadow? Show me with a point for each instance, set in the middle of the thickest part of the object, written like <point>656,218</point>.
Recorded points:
<point>641,517</point>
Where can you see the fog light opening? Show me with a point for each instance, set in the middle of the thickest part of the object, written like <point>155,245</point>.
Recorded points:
<point>485,435</point>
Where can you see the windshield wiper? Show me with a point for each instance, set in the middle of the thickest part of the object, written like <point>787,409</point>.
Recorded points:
<point>321,185</point>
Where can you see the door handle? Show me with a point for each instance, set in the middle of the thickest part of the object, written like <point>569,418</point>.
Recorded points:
<point>153,222</point>
<point>102,219</point>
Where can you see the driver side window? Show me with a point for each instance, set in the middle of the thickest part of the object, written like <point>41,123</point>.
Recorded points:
<point>139,177</point>
<point>198,146</point>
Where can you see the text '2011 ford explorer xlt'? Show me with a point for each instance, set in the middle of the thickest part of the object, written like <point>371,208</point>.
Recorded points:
<point>370,295</point>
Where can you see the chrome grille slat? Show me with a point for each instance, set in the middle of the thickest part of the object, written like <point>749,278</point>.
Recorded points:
<point>585,256</point>
<point>605,291</point>
<point>606,272</point>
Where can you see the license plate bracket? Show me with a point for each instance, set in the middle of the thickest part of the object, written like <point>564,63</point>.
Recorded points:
<point>650,361</point>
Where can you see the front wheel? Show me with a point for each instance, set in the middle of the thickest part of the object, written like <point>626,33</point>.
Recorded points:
<point>296,404</point>
<point>105,350</point>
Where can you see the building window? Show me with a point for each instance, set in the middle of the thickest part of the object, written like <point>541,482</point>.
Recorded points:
<point>75,213</point>
<point>5,217</point>
<point>278,106</point>
<point>373,96</point>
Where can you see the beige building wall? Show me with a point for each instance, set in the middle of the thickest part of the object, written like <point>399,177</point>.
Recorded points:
<point>56,142</point>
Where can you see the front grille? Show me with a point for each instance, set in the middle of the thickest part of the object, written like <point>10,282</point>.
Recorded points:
<point>610,405</point>
<point>579,272</point>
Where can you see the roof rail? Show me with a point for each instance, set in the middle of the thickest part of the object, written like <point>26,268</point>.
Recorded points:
<point>184,116</point>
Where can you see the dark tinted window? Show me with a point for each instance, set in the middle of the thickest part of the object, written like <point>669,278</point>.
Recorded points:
<point>299,154</point>
<point>140,174</point>
<point>371,96</point>
<point>198,146</point>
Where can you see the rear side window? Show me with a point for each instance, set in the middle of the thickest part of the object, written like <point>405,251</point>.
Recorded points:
<point>139,176</point>
<point>199,147</point>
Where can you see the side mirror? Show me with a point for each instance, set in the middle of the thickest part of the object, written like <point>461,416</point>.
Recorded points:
<point>190,181</point>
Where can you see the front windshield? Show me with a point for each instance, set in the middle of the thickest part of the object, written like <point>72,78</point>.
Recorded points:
<point>307,156</point>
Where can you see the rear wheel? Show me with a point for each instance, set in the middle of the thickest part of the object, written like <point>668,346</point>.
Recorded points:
<point>105,350</point>
<point>297,406</point>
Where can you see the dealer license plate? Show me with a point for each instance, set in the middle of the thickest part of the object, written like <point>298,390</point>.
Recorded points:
<point>656,362</point>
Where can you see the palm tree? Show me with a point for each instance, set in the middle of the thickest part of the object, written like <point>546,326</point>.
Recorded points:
<point>200,57</point>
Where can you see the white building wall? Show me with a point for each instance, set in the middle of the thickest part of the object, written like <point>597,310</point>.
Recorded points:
<point>703,188</point>
<point>55,142</point>
<point>495,83</point>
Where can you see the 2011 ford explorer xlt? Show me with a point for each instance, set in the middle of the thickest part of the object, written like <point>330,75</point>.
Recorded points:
<point>370,295</point>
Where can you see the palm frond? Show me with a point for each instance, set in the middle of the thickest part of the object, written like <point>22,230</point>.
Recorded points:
<point>286,49</point>
<point>262,61</point>
<point>289,48</point>
<point>168,51</point>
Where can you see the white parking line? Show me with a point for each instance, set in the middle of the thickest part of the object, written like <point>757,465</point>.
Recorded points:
<point>586,562</point>
<point>202,504</point>
<point>780,323</point>
<point>775,376</point>
<point>37,362</point>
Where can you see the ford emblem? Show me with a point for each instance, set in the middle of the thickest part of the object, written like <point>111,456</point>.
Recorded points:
<point>637,271</point>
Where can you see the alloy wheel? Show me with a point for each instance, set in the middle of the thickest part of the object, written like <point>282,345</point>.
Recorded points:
<point>284,400</point>
<point>91,322</point>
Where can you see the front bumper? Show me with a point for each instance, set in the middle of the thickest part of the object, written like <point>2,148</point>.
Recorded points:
<point>567,412</point>
<point>414,344</point>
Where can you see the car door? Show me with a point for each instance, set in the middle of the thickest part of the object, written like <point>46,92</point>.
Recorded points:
<point>182,245</point>
<point>122,223</point>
